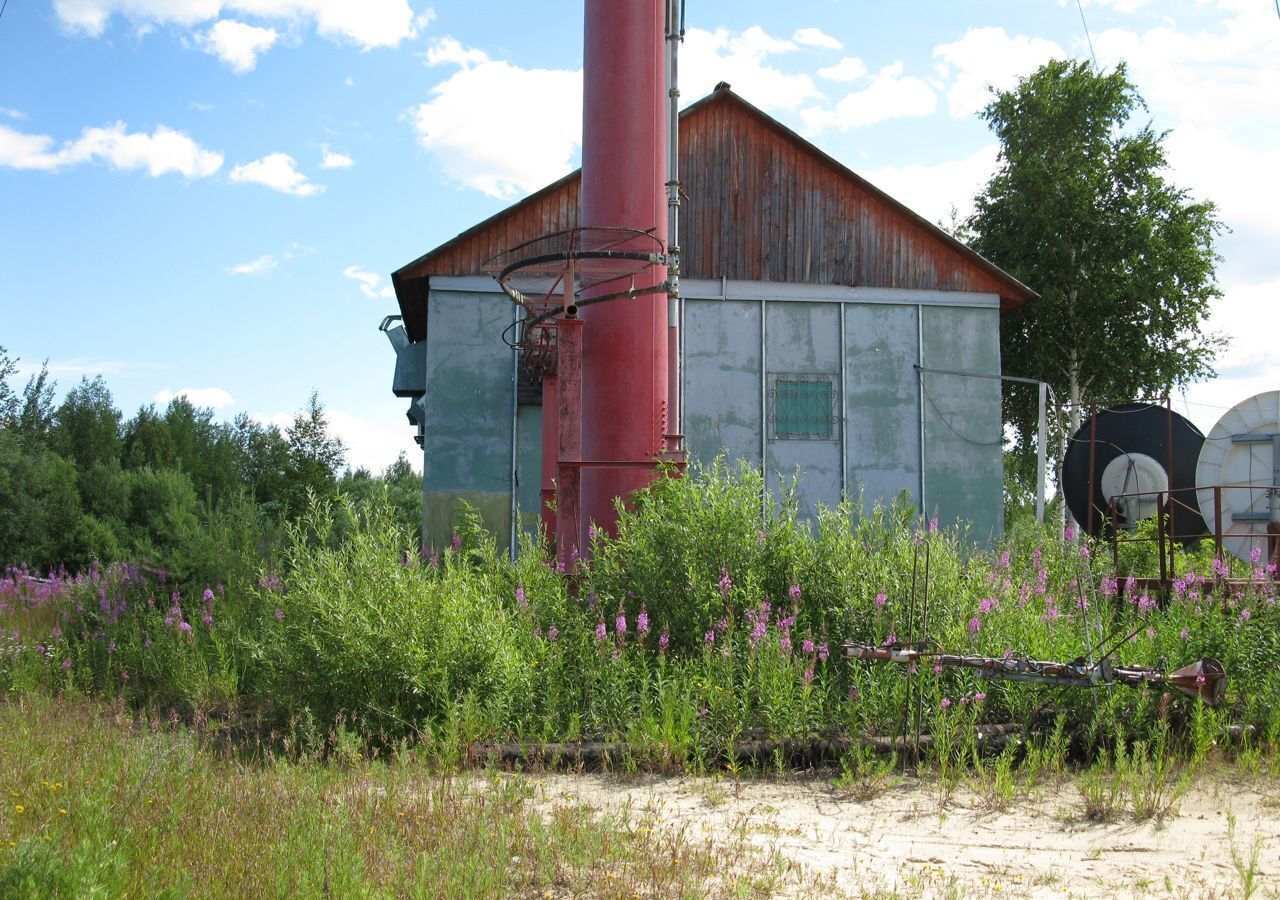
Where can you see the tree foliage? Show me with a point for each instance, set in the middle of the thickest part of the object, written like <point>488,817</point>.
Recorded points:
<point>1080,209</point>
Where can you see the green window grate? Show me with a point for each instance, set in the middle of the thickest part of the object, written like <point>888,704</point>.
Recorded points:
<point>803,408</point>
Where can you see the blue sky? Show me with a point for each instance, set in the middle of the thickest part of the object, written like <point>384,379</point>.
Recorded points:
<point>209,195</point>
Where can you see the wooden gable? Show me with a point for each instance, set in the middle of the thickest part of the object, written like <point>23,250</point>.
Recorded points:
<point>762,204</point>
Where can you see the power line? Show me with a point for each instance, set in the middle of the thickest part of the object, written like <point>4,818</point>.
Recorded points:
<point>1087,37</point>
<point>6,3</point>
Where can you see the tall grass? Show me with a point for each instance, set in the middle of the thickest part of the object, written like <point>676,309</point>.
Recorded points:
<point>707,620</point>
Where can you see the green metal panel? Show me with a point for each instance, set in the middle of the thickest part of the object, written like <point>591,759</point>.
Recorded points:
<point>469,413</point>
<point>881,415</point>
<point>962,423</point>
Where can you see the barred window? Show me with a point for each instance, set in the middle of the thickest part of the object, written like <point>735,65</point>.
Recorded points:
<point>802,407</point>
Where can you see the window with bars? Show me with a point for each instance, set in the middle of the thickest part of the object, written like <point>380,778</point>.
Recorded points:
<point>802,407</point>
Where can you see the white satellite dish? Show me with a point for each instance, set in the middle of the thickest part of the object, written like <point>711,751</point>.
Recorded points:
<point>1242,453</point>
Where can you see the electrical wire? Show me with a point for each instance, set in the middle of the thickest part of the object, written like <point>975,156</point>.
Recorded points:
<point>6,3</point>
<point>945,421</point>
<point>1080,7</point>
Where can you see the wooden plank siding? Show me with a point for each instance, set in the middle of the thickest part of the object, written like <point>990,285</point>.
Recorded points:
<point>763,204</point>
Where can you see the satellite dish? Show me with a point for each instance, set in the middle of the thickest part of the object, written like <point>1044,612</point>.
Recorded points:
<point>1131,460</point>
<point>1242,454</point>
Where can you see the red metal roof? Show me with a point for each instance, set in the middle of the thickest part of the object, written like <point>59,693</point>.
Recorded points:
<point>763,204</point>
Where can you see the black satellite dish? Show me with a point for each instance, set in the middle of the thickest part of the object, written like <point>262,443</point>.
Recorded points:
<point>1131,461</point>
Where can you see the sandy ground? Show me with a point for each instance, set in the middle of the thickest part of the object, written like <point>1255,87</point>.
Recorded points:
<point>911,841</point>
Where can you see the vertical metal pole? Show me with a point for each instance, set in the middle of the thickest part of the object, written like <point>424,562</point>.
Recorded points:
<point>675,427</point>
<point>1217,521</point>
<point>515,439</point>
<point>920,398</point>
<point>1093,467</point>
<point>1161,507</point>
<point>550,452</point>
<point>844,428</point>
<point>1042,449</point>
<point>569,475</point>
<point>764,406</point>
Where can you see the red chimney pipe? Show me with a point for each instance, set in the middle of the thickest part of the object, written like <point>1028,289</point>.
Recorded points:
<point>624,174</point>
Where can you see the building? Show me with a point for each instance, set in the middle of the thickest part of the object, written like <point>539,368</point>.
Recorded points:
<point>813,301</point>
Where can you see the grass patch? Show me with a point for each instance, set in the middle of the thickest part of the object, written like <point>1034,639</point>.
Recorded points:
<point>99,803</point>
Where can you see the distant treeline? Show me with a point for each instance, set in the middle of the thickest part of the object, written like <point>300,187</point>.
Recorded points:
<point>173,487</point>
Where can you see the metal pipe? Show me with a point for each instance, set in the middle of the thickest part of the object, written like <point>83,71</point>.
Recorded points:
<point>624,351</point>
<point>844,428</point>
<point>764,407</point>
<point>569,477</point>
<point>1042,450</point>
<point>920,397</point>
<point>515,442</point>
<point>675,34</point>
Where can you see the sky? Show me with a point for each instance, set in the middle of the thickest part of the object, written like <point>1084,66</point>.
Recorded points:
<point>207,197</point>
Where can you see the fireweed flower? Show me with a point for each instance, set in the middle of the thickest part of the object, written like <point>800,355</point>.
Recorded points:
<point>553,633</point>
<point>823,652</point>
<point>207,619</point>
<point>1084,551</point>
<point>1069,534</point>
<point>455,541</point>
<point>988,605</point>
<point>1146,604</point>
<point>41,649</point>
<point>807,646</point>
<point>808,675</point>
<point>279,614</point>
<point>601,631</point>
<point>890,639</point>
<point>975,625</point>
<point>1254,555</point>
<point>56,633</point>
<point>881,599</point>
<point>620,623</point>
<point>946,703</point>
<point>642,623</point>
<point>722,625</point>
<point>1220,568</point>
<point>208,595</point>
<point>710,637</point>
<point>664,641</point>
<point>1184,634</point>
<point>66,664</point>
<point>1109,586</point>
<point>933,524</point>
<point>793,592</point>
<point>1003,562</point>
<point>520,598</point>
<point>1245,615</point>
<point>726,583</point>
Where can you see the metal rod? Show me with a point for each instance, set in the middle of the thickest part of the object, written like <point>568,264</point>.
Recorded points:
<point>1093,468</point>
<point>515,444</point>
<point>844,426</point>
<point>920,398</point>
<point>764,407</point>
<point>1042,448</point>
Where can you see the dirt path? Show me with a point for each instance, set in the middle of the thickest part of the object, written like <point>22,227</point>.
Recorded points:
<point>911,841</point>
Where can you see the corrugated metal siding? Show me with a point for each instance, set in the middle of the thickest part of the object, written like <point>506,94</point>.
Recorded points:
<point>763,205</point>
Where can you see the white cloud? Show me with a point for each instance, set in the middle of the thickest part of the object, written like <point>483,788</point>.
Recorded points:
<point>1121,6</point>
<point>848,69</point>
<point>986,58</point>
<point>369,282</point>
<point>1205,77</point>
<point>77,366</point>
<point>278,171</point>
<point>814,37</point>
<point>709,57</point>
<point>448,50</point>
<point>365,23</point>
<point>161,152</point>
<point>374,444</point>
<point>1248,316</point>
<point>202,107</point>
<point>211,397</point>
<point>260,266</point>
<point>498,128</point>
<point>331,160</point>
<point>237,44</point>
<point>12,113</point>
<point>933,191</point>
<point>1240,178</point>
<point>891,95</point>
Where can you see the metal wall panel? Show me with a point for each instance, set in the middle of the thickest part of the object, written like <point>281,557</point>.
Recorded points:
<point>467,452</point>
<point>881,412</point>
<point>964,472</point>
<point>722,408</point>
<point>804,338</point>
